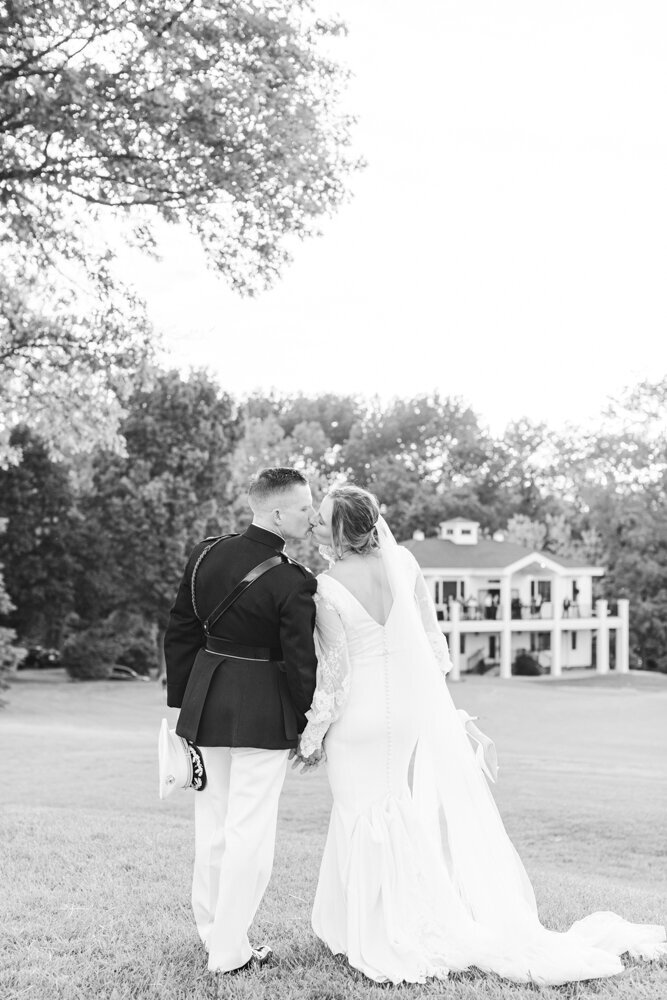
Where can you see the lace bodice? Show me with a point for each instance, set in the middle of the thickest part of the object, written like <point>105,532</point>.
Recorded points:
<point>343,628</point>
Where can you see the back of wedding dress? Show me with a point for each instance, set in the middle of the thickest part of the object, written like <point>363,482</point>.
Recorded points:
<point>419,877</point>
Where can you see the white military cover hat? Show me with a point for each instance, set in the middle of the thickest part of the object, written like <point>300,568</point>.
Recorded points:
<point>180,763</point>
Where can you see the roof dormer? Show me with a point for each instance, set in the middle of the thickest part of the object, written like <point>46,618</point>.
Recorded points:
<point>460,531</point>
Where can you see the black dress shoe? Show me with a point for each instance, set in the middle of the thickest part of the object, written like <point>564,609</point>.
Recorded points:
<point>260,956</point>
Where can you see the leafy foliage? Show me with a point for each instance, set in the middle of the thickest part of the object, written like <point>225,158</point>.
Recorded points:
<point>221,116</point>
<point>39,559</point>
<point>118,117</point>
<point>144,510</point>
<point>89,655</point>
<point>10,654</point>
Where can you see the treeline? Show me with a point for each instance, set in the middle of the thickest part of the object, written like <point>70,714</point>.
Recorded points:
<point>94,544</point>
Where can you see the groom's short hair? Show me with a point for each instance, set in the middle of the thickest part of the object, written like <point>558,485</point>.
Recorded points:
<point>268,482</point>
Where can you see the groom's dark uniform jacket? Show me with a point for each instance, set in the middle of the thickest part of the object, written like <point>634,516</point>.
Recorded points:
<point>250,683</point>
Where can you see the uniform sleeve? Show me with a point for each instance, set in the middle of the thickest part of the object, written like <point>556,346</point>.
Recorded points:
<point>430,621</point>
<point>183,638</point>
<point>333,676</point>
<point>297,623</point>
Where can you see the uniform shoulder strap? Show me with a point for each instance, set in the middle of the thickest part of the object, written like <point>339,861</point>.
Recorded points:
<point>240,588</point>
<point>293,562</point>
<point>212,542</point>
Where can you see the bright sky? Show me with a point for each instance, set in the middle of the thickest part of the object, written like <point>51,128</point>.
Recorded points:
<point>508,240</point>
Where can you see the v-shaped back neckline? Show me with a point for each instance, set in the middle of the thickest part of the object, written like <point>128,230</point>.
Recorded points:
<point>363,607</point>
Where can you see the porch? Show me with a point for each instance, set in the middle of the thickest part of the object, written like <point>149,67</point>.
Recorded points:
<point>604,621</point>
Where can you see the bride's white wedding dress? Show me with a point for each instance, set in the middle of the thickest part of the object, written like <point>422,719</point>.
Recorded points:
<point>418,876</point>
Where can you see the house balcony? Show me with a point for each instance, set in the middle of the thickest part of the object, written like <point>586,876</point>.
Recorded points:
<point>522,614</point>
<point>507,618</point>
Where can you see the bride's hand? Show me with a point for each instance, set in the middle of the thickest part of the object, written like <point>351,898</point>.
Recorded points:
<point>308,763</point>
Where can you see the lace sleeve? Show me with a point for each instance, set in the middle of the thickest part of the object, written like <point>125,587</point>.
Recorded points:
<point>333,674</point>
<point>431,624</point>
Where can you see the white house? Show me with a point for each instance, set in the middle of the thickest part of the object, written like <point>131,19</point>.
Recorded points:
<point>495,599</point>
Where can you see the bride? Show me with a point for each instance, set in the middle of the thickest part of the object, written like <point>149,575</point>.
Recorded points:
<point>418,877</point>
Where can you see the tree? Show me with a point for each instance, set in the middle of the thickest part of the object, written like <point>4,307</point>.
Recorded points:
<point>612,483</point>
<point>437,438</point>
<point>69,390</point>
<point>635,534</point>
<point>334,413</point>
<point>517,475</point>
<point>522,531</point>
<point>264,443</point>
<point>222,116</point>
<point>143,511</point>
<point>37,501</point>
<point>10,654</point>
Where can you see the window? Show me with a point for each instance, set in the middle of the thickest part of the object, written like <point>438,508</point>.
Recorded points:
<point>444,589</point>
<point>540,641</point>
<point>462,643</point>
<point>544,589</point>
<point>466,531</point>
<point>574,638</point>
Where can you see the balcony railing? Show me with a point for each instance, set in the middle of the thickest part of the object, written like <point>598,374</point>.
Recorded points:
<point>522,612</point>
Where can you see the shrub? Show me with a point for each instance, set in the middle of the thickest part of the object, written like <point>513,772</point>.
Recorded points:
<point>136,640</point>
<point>89,655</point>
<point>122,637</point>
<point>526,666</point>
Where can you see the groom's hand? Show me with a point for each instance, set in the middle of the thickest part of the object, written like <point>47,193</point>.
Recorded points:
<point>308,763</point>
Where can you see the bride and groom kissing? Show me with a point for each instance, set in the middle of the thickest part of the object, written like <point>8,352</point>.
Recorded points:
<point>268,662</point>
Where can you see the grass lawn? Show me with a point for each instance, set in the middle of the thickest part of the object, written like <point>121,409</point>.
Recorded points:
<point>96,871</point>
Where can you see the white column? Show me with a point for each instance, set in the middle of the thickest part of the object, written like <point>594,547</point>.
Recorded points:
<point>602,666</point>
<point>557,597</point>
<point>556,650</point>
<point>556,633</point>
<point>454,639</point>
<point>505,627</point>
<point>623,637</point>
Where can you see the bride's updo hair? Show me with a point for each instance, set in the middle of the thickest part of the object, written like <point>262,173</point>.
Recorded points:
<point>354,517</point>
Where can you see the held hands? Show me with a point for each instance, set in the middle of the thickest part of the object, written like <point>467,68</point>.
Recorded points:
<point>309,763</point>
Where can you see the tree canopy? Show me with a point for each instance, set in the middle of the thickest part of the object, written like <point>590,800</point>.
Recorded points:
<point>222,116</point>
<point>118,116</point>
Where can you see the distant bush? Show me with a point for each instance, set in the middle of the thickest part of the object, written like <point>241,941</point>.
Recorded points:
<point>135,638</point>
<point>482,667</point>
<point>122,637</point>
<point>526,666</point>
<point>89,655</point>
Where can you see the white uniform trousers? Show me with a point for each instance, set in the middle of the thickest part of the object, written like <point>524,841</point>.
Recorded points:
<point>235,834</point>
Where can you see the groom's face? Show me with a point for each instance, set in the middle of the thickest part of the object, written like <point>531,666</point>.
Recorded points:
<point>295,512</point>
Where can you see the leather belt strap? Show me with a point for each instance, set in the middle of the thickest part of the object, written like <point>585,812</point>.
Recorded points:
<point>235,649</point>
<point>249,578</point>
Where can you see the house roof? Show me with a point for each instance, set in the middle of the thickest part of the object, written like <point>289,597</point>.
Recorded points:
<point>438,553</point>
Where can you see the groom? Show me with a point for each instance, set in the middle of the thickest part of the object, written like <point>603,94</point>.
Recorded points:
<point>243,686</point>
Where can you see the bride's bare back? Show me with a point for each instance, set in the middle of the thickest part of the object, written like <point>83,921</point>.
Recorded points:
<point>366,579</point>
